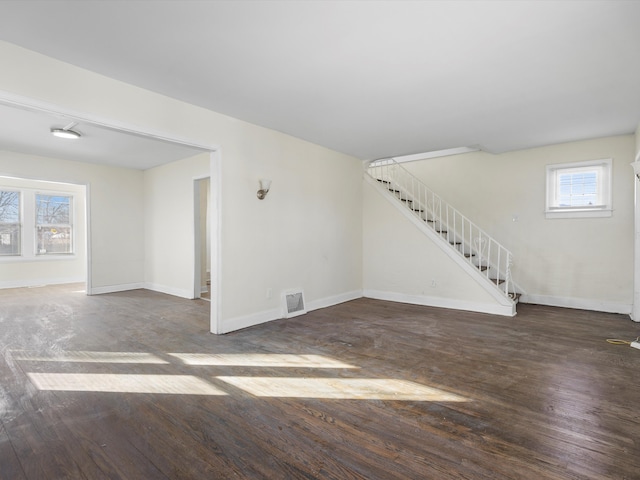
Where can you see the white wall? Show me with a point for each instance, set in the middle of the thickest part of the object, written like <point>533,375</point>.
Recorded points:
<point>39,270</point>
<point>584,263</point>
<point>115,219</point>
<point>307,233</point>
<point>635,314</point>
<point>169,225</point>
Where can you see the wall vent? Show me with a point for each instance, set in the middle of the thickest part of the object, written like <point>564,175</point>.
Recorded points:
<point>294,303</point>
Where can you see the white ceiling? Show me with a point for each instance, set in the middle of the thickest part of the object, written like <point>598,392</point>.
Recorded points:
<point>29,131</point>
<point>371,79</point>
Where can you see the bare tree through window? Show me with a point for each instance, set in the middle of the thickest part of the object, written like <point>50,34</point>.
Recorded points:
<point>9,222</point>
<point>53,223</point>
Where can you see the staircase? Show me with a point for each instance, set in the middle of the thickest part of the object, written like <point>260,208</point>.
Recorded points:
<point>469,244</point>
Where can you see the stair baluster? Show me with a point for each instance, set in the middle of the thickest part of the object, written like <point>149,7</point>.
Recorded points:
<point>494,261</point>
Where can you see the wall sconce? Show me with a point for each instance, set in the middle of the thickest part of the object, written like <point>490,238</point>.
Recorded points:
<point>264,188</point>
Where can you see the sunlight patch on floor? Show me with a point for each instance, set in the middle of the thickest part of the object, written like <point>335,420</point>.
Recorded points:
<point>260,386</point>
<point>91,357</point>
<point>341,388</point>
<point>260,360</point>
<point>111,382</point>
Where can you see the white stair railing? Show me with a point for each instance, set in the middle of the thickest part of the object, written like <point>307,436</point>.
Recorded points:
<point>465,237</point>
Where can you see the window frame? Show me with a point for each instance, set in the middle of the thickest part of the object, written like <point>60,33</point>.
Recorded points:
<point>604,207</point>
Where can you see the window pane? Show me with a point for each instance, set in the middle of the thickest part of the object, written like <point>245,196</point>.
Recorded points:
<point>53,222</point>
<point>577,189</point>
<point>9,239</point>
<point>52,209</point>
<point>9,207</point>
<point>52,240</point>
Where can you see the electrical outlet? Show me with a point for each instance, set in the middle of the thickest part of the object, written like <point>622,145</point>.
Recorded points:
<point>434,284</point>
<point>636,344</point>
<point>269,293</point>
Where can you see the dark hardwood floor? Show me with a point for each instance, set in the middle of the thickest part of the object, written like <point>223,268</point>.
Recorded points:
<point>131,386</point>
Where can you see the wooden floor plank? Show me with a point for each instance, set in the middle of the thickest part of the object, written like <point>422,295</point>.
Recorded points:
<point>10,467</point>
<point>540,395</point>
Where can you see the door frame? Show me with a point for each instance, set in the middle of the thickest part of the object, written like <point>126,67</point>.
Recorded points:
<point>20,101</point>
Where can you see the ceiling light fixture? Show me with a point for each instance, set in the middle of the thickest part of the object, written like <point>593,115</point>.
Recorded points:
<point>66,132</point>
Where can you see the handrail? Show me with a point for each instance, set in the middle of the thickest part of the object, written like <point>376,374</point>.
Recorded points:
<point>471,242</point>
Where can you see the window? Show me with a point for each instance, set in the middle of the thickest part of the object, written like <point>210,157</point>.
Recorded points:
<point>581,189</point>
<point>36,224</point>
<point>53,224</point>
<point>10,243</point>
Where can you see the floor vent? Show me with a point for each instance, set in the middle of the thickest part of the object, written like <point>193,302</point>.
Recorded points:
<point>294,303</point>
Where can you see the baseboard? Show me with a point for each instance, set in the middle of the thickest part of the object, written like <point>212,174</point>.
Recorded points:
<point>333,300</point>
<point>440,302</point>
<point>253,319</point>
<point>579,303</point>
<point>177,292</point>
<point>115,288</point>
<point>39,282</point>
<point>238,323</point>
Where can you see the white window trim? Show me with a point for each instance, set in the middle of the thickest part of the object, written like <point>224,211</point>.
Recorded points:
<point>605,209</point>
<point>28,227</point>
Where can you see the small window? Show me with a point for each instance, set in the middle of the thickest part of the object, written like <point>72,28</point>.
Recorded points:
<point>10,223</point>
<point>53,224</point>
<point>580,189</point>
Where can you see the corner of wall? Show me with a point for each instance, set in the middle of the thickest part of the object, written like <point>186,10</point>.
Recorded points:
<point>637,157</point>
<point>245,321</point>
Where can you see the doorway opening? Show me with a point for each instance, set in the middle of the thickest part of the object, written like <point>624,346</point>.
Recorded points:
<point>41,113</point>
<point>202,237</point>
